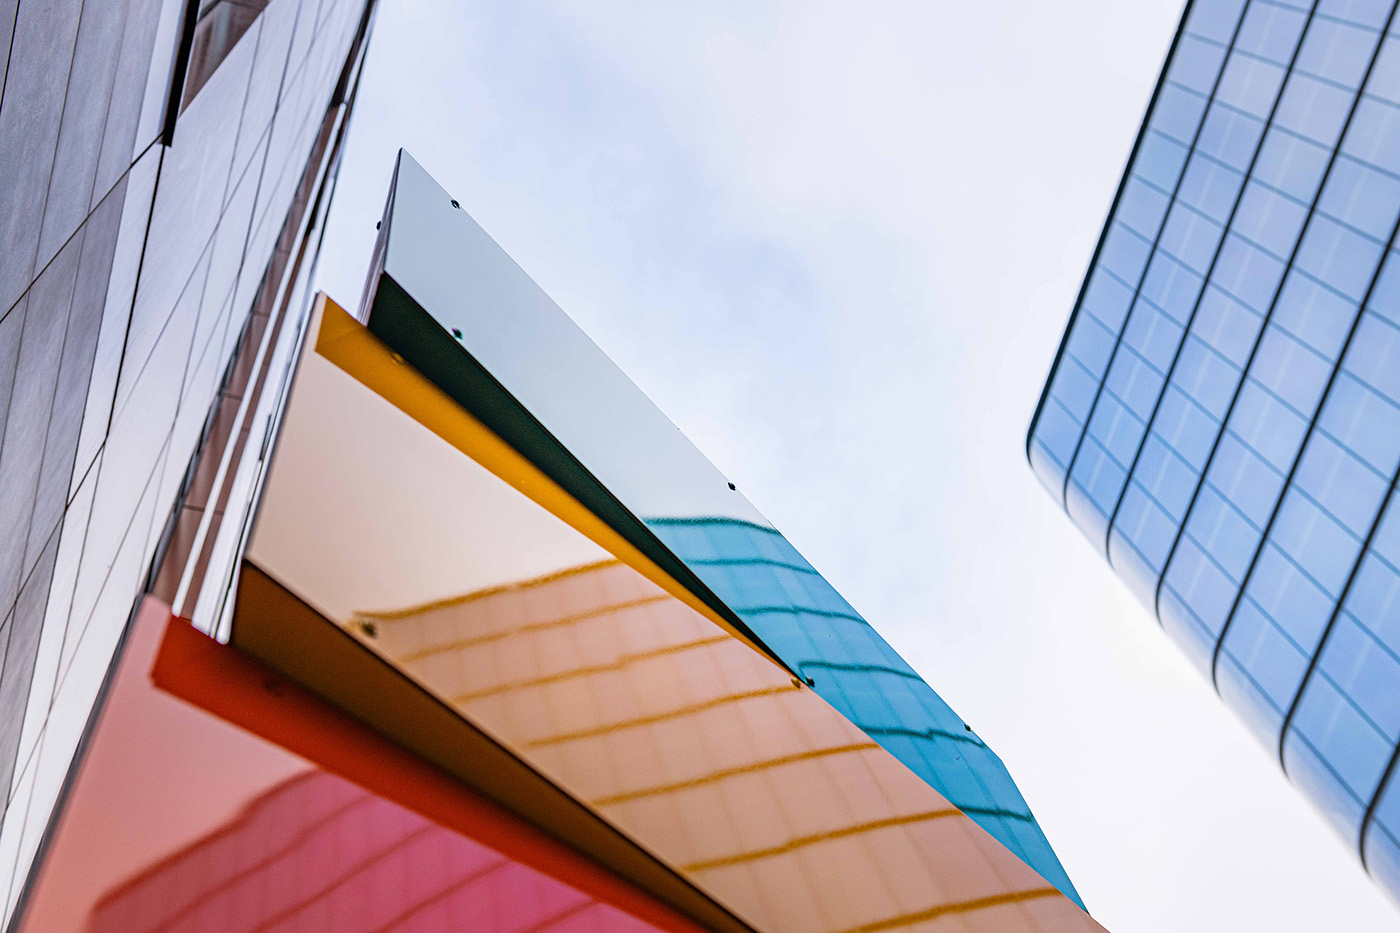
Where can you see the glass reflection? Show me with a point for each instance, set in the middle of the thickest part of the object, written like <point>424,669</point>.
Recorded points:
<point>180,820</point>
<point>317,852</point>
<point>678,733</point>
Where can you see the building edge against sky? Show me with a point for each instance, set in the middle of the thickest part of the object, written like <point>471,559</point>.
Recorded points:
<point>173,165</point>
<point>167,168</point>
<point>1222,417</point>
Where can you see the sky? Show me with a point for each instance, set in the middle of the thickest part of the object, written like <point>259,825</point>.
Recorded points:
<point>837,244</point>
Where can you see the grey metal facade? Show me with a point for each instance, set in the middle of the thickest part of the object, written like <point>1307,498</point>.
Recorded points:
<point>144,245</point>
<point>1223,418</point>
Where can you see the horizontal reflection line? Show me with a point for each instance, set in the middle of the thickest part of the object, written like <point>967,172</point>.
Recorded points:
<point>573,673</point>
<point>388,614</point>
<point>799,842</point>
<point>933,913</point>
<point>661,717</point>
<point>860,669</point>
<point>472,642</point>
<point>930,734</point>
<point>733,772</point>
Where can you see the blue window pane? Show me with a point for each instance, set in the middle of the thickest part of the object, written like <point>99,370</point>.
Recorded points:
<point>1208,186</point>
<point>1313,109</point>
<point>1267,426</point>
<point>1292,164</point>
<point>1385,296</point>
<point>1196,63</point>
<point>1372,13</point>
<point>1337,51</point>
<point>1246,479</point>
<point>1215,21</point>
<point>1292,372</point>
<point>1250,84</point>
<point>1269,219</point>
<point>1290,599</point>
<point>1094,480</point>
<point>1319,545</point>
<point>1171,286</point>
<point>1374,602</point>
<point>1317,315</point>
<point>1152,335</point>
<point>1226,325</point>
<point>1340,483</point>
<point>1385,75</point>
<point>1135,382</point>
<point>1247,273</point>
<point>1201,583</point>
<point>1227,136</point>
<point>1364,670</point>
<point>1058,433</point>
<point>1178,112</point>
<point>1363,420</point>
<point>1271,31</point>
<point>1386,543</point>
<point>1206,377</point>
<point>1168,479</point>
<point>1125,256</point>
<point>1341,257</point>
<point>1190,237</point>
<point>1075,387</point>
<point>1361,196</point>
<point>1142,207</point>
<point>1374,356</point>
<point>1374,135</point>
<point>1186,426</point>
<point>1160,159</point>
<point>1140,518</point>
<point>1218,526</point>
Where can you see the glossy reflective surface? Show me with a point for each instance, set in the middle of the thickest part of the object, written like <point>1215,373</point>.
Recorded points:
<point>458,308</point>
<point>180,820</point>
<point>672,728</point>
<point>1224,418</point>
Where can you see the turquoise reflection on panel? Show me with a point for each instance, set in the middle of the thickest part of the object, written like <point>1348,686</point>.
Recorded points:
<point>1223,417</point>
<point>802,618</point>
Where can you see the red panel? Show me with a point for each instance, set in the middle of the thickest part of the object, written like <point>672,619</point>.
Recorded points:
<point>180,820</point>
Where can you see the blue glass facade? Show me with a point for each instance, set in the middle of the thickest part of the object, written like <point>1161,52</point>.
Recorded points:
<point>807,623</point>
<point>1223,417</point>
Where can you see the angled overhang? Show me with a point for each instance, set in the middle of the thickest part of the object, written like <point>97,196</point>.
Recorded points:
<point>458,310</point>
<point>428,578</point>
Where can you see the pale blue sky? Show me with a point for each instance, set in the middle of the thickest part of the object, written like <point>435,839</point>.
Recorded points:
<point>837,244</point>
